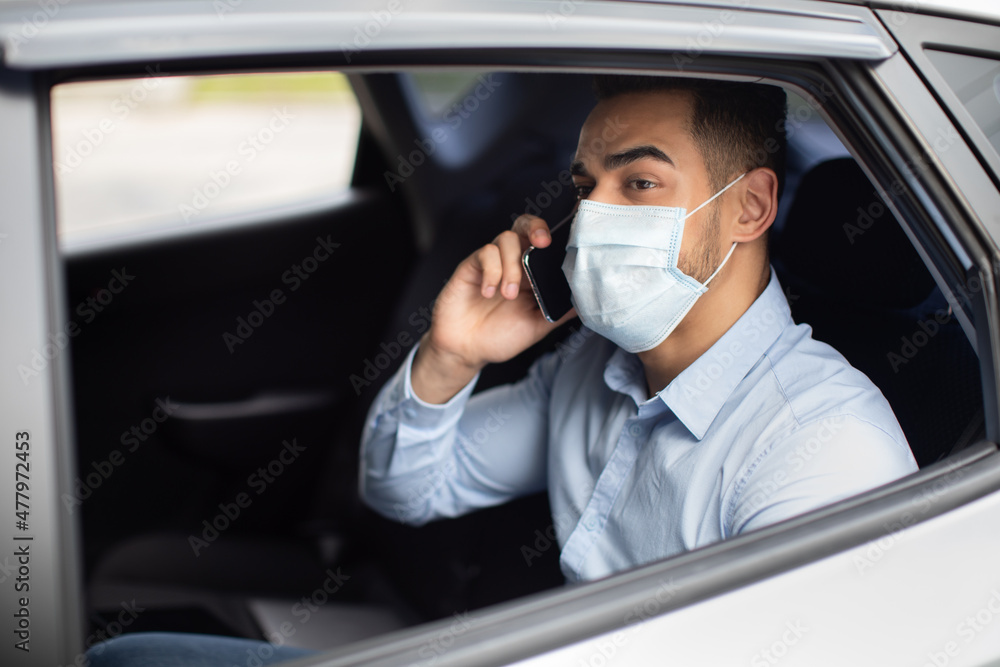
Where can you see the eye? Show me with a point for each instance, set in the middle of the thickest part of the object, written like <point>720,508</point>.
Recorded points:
<point>641,184</point>
<point>582,191</point>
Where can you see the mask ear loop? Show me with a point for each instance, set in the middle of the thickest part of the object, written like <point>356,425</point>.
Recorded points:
<point>728,255</point>
<point>712,198</point>
<point>562,222</point>
<point>706,203</point>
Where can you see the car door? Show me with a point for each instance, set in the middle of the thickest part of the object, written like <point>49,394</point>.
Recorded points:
<point>792,591</point>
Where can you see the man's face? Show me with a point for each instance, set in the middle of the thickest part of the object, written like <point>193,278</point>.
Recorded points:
<point>636,149</point>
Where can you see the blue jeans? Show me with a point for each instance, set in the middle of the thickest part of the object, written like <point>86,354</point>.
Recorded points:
<point>175,649</point>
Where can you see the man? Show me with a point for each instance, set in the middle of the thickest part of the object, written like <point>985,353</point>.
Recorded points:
<point>691,416</point>
<point>700,411</point>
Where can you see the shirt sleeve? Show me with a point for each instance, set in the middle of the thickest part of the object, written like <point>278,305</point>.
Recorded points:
<point>421,461</point>
<point>819,464</point>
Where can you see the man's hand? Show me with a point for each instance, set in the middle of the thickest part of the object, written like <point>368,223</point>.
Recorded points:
<point>486,313</point>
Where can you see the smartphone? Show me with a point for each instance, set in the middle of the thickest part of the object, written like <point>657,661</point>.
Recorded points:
<point>544,269</point>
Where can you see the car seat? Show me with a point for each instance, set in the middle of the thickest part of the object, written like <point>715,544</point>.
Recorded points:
<point>850,272</point>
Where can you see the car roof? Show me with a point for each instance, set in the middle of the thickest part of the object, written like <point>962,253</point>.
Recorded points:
<point>65,33</point>
<point>975,9</point>
<point>84,33</point>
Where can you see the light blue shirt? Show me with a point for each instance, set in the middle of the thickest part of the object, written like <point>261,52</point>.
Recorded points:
<point>766,425</point>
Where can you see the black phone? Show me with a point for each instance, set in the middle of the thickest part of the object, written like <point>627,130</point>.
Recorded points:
<point>544,269</point>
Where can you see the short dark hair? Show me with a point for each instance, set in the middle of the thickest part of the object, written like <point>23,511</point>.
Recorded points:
<point>736,126</point>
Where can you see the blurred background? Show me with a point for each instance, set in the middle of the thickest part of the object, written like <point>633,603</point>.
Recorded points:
<point>131,154</point>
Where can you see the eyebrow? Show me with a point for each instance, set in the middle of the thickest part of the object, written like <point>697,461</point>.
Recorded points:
<point>630,155</point>
<point>623,158</point>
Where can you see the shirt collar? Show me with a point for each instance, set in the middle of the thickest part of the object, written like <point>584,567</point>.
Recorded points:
<point>698,394</point>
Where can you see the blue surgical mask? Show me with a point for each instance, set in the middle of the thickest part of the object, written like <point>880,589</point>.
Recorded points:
<point>621,264</point>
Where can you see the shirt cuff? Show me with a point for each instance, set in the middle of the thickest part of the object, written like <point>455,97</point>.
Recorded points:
<point>417,413</point>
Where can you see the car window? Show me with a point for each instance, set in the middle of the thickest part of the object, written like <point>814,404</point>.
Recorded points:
<point>161,151</point>
<point>167,195</point>
<point>976,82</point>
<point>437,93</point>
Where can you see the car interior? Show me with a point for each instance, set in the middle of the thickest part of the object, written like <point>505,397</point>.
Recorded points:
<point>305,546</point>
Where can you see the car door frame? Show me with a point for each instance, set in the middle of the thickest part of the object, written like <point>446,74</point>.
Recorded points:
<point>41,562</point>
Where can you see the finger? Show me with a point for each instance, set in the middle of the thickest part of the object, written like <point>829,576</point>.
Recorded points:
<point>510,258</point>
<point>545,327</point>
<point>488,259</point>
<point>565,318</point>
<point>533,229</point>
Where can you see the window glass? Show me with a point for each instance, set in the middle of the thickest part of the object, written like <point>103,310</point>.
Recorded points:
<point>162,151</point>
<point>976,82</point>
<point>437,92</point>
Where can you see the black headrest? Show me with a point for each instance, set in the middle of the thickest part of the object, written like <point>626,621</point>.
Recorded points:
<point>840,239</point>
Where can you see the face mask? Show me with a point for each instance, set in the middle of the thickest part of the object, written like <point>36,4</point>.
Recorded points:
<point>621,264</point>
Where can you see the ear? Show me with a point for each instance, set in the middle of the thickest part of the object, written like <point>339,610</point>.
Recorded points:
<point>759,202</point>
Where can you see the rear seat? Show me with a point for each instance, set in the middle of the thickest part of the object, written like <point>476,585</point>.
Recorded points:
<point>853,275</point>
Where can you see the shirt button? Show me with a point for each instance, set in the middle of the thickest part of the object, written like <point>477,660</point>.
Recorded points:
<point>591,523</point>
<point>635,429</point>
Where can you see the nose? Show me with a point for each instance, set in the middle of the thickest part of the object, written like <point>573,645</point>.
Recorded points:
<point>605,193</point>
